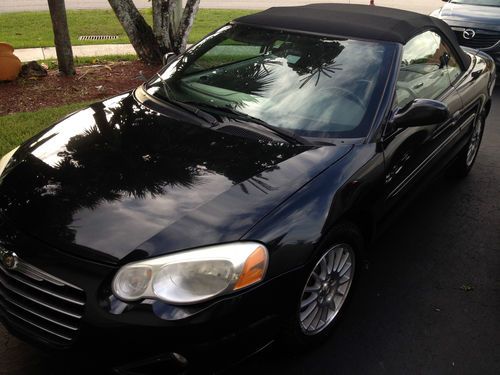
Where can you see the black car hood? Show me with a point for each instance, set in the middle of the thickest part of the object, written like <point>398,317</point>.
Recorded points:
<point>120,180</point>
<point>474,15</point>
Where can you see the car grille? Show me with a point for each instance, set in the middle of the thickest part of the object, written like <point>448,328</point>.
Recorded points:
<point>482,39</point>
<point>40,304</point>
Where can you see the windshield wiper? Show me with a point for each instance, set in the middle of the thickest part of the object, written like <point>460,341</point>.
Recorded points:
<point>282,133</point>
<point>187,107</point>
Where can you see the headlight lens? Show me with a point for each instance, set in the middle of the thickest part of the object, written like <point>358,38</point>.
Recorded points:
<point>198,280</point>
<point>134,282</point>
<point>193,276</point>
<point>5,160</point>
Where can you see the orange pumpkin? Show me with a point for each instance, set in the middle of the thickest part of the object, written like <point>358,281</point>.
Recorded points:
<point>10,65</point>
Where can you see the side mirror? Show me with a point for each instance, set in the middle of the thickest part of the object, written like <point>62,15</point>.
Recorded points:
<point>168,58</point>
<point>421,112</point>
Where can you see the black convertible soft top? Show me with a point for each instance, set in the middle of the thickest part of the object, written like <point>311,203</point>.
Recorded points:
<point>356,21</point>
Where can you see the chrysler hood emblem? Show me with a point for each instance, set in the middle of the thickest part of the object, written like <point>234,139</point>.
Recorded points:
<point>8,259</point>
<point>469,34</point>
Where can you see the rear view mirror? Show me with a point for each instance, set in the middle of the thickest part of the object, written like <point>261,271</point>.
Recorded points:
<point>421,112</point>
<point>444,60</point>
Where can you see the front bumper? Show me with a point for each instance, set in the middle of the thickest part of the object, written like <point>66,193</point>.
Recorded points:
<point>123,333</point>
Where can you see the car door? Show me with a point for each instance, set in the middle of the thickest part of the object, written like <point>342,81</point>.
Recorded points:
<point>426,72</point>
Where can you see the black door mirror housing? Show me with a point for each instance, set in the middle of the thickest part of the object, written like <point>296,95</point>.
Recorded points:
<point>421,112</point>
<point>168,58</point>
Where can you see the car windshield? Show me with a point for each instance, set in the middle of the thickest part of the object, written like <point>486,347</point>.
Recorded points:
<point>311,86</point>
<point>489,3</point>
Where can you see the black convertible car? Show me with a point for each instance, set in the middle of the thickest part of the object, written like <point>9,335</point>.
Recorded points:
<point>234,195</point>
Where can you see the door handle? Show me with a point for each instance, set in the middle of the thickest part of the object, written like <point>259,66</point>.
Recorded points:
<point>450,123</point>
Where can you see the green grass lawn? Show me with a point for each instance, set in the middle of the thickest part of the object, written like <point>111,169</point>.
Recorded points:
<point>34,29</point>
<point>19,127</point>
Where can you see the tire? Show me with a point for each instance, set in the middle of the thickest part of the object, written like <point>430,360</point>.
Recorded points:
<point>467,156</point>
<point>325,295</point>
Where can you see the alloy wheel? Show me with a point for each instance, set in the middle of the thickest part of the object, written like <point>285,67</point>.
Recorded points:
<point>474,142</point>
<point>326,289</point>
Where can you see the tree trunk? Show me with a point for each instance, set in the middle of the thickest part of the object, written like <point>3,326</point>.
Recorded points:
<point>163,23</point>
<point>62,40</point>
<point>139,32</point>
<point>186,24</point>
<point>177,14</point>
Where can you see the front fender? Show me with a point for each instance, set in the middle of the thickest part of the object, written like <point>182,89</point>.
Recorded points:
<point>348,188</point>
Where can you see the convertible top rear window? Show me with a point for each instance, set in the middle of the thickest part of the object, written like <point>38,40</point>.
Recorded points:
<point>314,86</point>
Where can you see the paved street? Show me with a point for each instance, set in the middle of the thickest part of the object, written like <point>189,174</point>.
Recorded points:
<point>423,6</point>
<point>429,302</point>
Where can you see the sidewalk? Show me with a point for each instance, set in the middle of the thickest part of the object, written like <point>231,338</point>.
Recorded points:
<point>30,54</point>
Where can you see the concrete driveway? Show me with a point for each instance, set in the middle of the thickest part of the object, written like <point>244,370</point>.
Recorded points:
<point>423,6</point>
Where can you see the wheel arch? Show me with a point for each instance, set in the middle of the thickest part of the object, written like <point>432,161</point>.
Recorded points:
<point>487,108</point>
<point>352,227</point>
<point>365,223</point>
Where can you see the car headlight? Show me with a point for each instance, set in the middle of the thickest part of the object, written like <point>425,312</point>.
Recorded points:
<point>193,276</point>
<point>5,160</point>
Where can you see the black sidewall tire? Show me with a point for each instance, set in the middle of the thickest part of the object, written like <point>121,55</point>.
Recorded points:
<point>459,168</point>
<point>293,339</point>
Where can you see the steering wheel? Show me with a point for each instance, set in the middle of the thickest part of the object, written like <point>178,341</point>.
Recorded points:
<point>346,93</point>
<point>407,89</point>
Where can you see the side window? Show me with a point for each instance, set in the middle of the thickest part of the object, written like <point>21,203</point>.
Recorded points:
<point>428,69</point>
<point>453,67</point>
